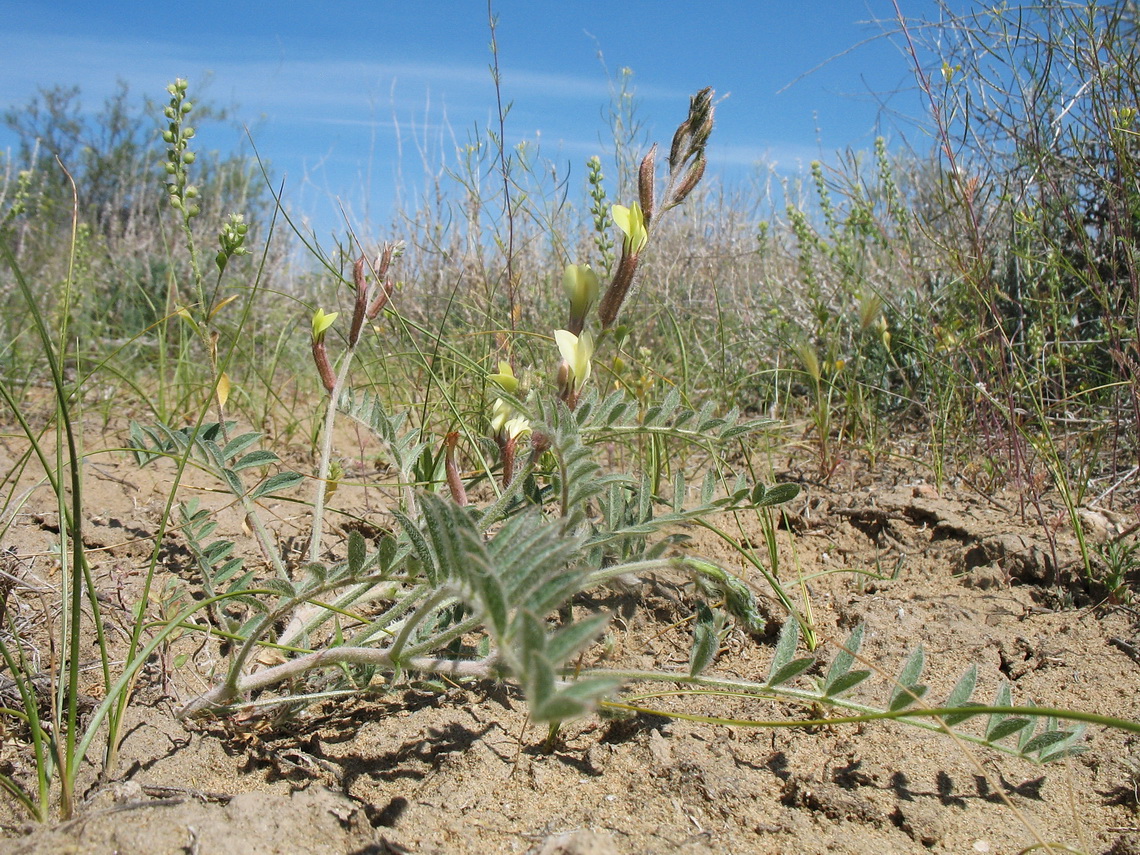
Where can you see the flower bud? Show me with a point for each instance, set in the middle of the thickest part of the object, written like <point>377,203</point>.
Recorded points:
<point>646,178</point>
<point>384,294</point>
<point>581,285</point>
<point>454,481</point>
<point>692,178</point>
<point>505,379</point>
<point>324,367</point>
<point>360,306</point>
<point>359,281</point>
<point>577,352</point>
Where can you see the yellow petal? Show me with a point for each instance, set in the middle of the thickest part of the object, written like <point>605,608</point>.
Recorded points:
<point>322,322</point>
<point>567,345</point>
<point>505,378</point>
<point>631,221</point>
<point>223,389</point>
<point>222,304</point>
<point>577,351</point>
<point>501,413</point>
<point>581,286</point>
<point>516,427</point>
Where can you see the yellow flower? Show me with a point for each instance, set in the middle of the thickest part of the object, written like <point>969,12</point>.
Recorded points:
<point>581,286</point>
<point>516,427</point>
<point>321,322</point>
<point>577,351</point>
<point>505,423</point>
<point>505,379</point>
<point>501,412</point>
<point>631,221</point>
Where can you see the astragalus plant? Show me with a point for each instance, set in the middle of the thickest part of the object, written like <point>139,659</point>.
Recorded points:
<point>479,574</point>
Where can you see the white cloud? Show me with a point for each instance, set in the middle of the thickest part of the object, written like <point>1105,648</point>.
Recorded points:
<point>280,86</point>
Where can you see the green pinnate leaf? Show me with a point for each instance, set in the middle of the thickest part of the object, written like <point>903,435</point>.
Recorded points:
<point>227,570</point>
<point>779,494</point>
<point>233,481</point>
<point>786,645</point>
<point>213,452</point>
<point>907,689</point>
<point>386,553</point>
<point>1055,749</point>
<point>844,659</point>
<point>572,639</point>
<point>261,457</point>
<point>791,670</point>
<point>848,681</point>
<point>277,483</point>
<point>218,550</point>
<point>239,444</point>
<point>1003,698</point>
<point>960,696</point>
<point>357,552</point>
<point>1007,726</point>
<point>574,701</point>
<point>1045,742</point>
<point>708,487</point>
<point>678,492</point>
<point>420,547</point>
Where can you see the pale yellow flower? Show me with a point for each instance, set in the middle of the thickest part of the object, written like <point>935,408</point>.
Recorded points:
<point>322,321</point>
<point>581,286</point>
<point>631,221</point>
<point>577,351</point>
<point>505,379</point>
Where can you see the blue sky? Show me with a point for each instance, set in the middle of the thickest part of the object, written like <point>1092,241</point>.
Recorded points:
<point>344,99</point>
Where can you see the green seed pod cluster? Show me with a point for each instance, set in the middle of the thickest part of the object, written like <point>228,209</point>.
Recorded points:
<point>178,157</point>
<point>231,240</point>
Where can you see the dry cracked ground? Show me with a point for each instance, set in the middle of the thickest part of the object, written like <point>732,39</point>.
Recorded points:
<point>973,578</point>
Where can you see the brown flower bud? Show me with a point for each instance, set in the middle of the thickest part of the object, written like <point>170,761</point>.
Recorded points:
<point>359,280</point>
<point>454,481</point>
<point>646,178</point>
<point>693,133</point>
<point>539,443</point>
<point>701,112</point>
<point>360,307</point>
<point>692,178</point>
<point>680,145</point>
<point>385,292</point>
<point>507,446</point>
<point>384,261</point>
<point>567,393</point>
<point>324,367</point>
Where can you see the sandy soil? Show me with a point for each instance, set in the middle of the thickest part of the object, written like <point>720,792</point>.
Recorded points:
<point>417,770</point>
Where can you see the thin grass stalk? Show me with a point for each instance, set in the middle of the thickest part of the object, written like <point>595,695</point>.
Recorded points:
<point>74,570</point>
